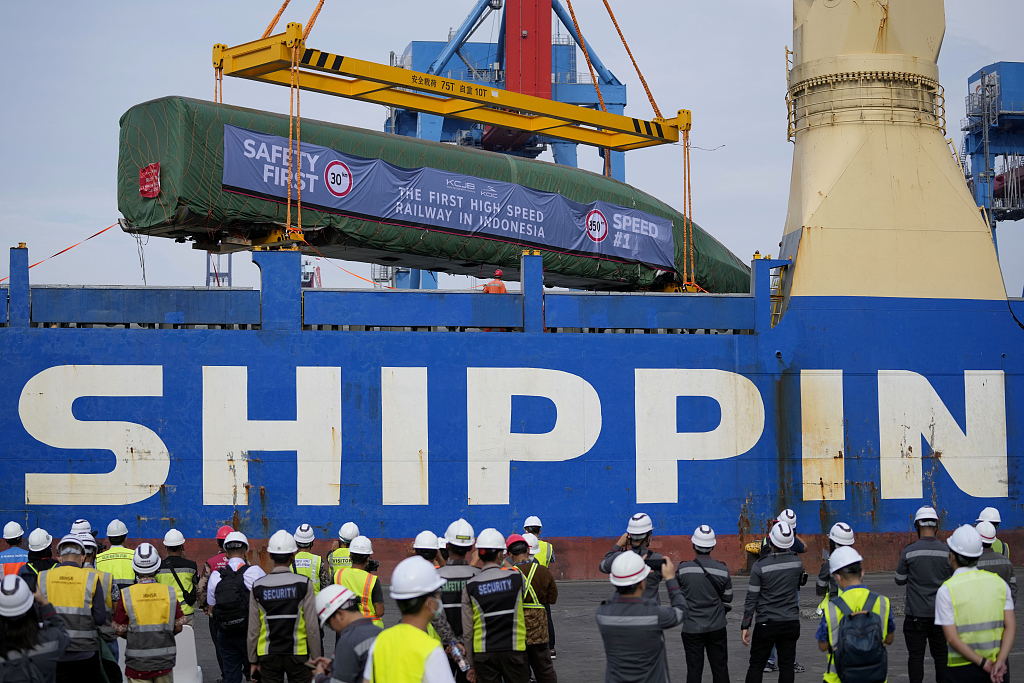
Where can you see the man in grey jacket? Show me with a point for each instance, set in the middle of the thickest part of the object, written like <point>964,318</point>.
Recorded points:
<point>632,625</point>
<point>638,539</point>
<point>773,603</point>
<point>923,567</point>
<point>707,587</point>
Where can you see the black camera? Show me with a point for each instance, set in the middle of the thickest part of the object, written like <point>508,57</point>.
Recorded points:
<point>655,561</point>
<point>372,565</point>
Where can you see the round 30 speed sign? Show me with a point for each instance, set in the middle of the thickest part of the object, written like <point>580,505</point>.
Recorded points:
<point>338,178</point>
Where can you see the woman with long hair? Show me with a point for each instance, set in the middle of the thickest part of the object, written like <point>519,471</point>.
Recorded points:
<point>32,634</point>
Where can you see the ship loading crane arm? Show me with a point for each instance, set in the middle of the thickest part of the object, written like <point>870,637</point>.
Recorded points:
<point>270,59</point>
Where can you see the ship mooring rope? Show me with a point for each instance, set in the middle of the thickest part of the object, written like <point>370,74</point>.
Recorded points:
<point>68,248</point>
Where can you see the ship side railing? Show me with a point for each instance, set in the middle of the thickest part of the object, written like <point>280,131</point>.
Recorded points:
<point>282,304</point>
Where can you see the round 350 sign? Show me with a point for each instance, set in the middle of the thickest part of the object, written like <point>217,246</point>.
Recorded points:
<point>338,178</point>
<point>597,226</point>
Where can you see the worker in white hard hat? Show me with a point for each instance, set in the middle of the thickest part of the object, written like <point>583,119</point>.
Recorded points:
<point>338,610</point>
<point>14,556</point>
<point>117,559</point>
<point>787,516</point>
<point>210,567</point>
<point>77,596</point>
<point>992,516</point>
<point>707,587</point>
<point>772,606</point>
<point>854,598</point>
<point>406,651</point>
<point>456,573</point>
<point>839,536</point>
<point>148,617</point>
<point>493,623</point>
<point>990,560</point>
<point>340,557</point>
<point>631,624</point>
<point>180,573</point>
<point>637,538</point>
<point>359,579</point>
<point>426,546</point>
<point>40,558</point>
<point>545,555</point>
<point>975,611</point>
<point>923,567</point>
<point>284,632</point>
<point>34,635</point>
<point>111,595</point>
<point>312,566</point>
<point>540,591</point>
<point>228,593</point>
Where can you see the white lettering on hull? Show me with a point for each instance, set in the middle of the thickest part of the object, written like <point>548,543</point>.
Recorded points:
<point>822,430</point>
<point>404,455</point>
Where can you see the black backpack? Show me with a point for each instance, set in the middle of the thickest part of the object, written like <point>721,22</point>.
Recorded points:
<point>859,651</point>
<point>231,610</point>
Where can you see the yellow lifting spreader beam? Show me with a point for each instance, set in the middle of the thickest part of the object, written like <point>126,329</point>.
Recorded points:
<point>269,60</point>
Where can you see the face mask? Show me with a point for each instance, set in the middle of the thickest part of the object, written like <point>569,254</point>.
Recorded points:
<point>439,609</point>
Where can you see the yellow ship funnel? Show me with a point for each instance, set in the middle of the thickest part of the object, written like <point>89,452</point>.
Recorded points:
<point>878,204</point>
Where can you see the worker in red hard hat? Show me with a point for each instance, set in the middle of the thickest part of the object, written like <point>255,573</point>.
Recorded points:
<point>213,564</point>
<point>495,286</point>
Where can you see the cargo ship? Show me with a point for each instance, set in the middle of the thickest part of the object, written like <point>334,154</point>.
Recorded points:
<point>872,367</point>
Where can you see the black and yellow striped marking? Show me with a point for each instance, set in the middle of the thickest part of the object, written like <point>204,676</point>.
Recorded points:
<point>319,59</point>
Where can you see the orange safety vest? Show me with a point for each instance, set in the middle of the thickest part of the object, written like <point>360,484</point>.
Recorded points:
<point>495,286</point>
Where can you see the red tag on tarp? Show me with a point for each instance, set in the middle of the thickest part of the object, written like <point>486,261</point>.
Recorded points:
<point>149,180</point>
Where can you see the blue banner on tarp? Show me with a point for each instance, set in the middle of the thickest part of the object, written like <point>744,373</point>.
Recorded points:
<point>450,202</point>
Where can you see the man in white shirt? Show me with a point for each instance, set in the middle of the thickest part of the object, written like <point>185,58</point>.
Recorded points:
<point>233,618</point>
<point>975,610</point>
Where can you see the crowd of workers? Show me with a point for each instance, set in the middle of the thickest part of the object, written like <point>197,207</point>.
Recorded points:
<point>477,607</point>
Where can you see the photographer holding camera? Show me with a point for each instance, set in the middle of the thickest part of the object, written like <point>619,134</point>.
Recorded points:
<point>707,586</point>
<point>638,539</point>
<point>359,579</point>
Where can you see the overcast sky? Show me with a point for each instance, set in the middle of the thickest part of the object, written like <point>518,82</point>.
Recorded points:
<point>75,67</point>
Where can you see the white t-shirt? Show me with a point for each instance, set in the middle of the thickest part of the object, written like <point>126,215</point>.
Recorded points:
<point>436,671</point>
<point>944,601</point>
<point>248,578</point>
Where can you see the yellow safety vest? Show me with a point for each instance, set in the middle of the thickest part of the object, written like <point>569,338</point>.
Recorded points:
<point>70,590</point>
<point>308,565</point>
<point>361,583</point>
<point>400,654</point>
<point>1001,548</point>
<point>825,600</point>
<point>338,559</point>
<point>151,610</point>
<point>978,601</point>
<point>188,582</point>
<point>117,561</point>
<point>545,554</point>
<point>855,598</point>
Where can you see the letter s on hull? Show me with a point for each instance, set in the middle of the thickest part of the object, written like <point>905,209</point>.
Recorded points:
<point>141,460</point>
<point>659,447</point>
<point>490,442</point>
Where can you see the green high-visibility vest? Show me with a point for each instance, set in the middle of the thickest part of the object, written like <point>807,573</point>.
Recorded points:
<point>117,561</point>
<point>400,654</point>
<point>308,565</point>
<point>338,559</point>
<point>978,601</point>
<point>545,554</point>
<point>855,598</point>
<point>1001,548</point>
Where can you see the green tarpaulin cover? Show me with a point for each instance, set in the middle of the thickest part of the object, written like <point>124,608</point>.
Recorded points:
<point>186,137</point>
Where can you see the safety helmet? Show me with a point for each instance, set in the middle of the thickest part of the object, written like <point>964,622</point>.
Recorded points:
<point>281,543</point>
<point>361,545</point>
<point>533,542</point>
<point>782,535</point>
<point>989,515</point>
<point>490,539</point>
<point>987,531</point>
<point>39,540</point>
<point>516,538</point>
<point>304,534</point>
<point>639,524</point>
<point>88,542</point>
<point>628,569</point>
<point>173,539</point>
<point>236,539</point>
<point>966,541</point>
<point>116,528</point>
<point>332,598</point>
<point>460,533</point>
<point>532,521</point>
<point>841,534</point>
<point>146,560</point>
<point>222,533</point>
<point>425,540</point>
<point>13,530</point>
<point>703,537</point>
<point>348,532</point>
<point>843,557</point>
<point>414,577</point>
<point>926,516</point>
<point>69,541</point>
<point>81,526</point>
<point>498,273</point>
<point>15,597</point>
<point>787,516</point>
